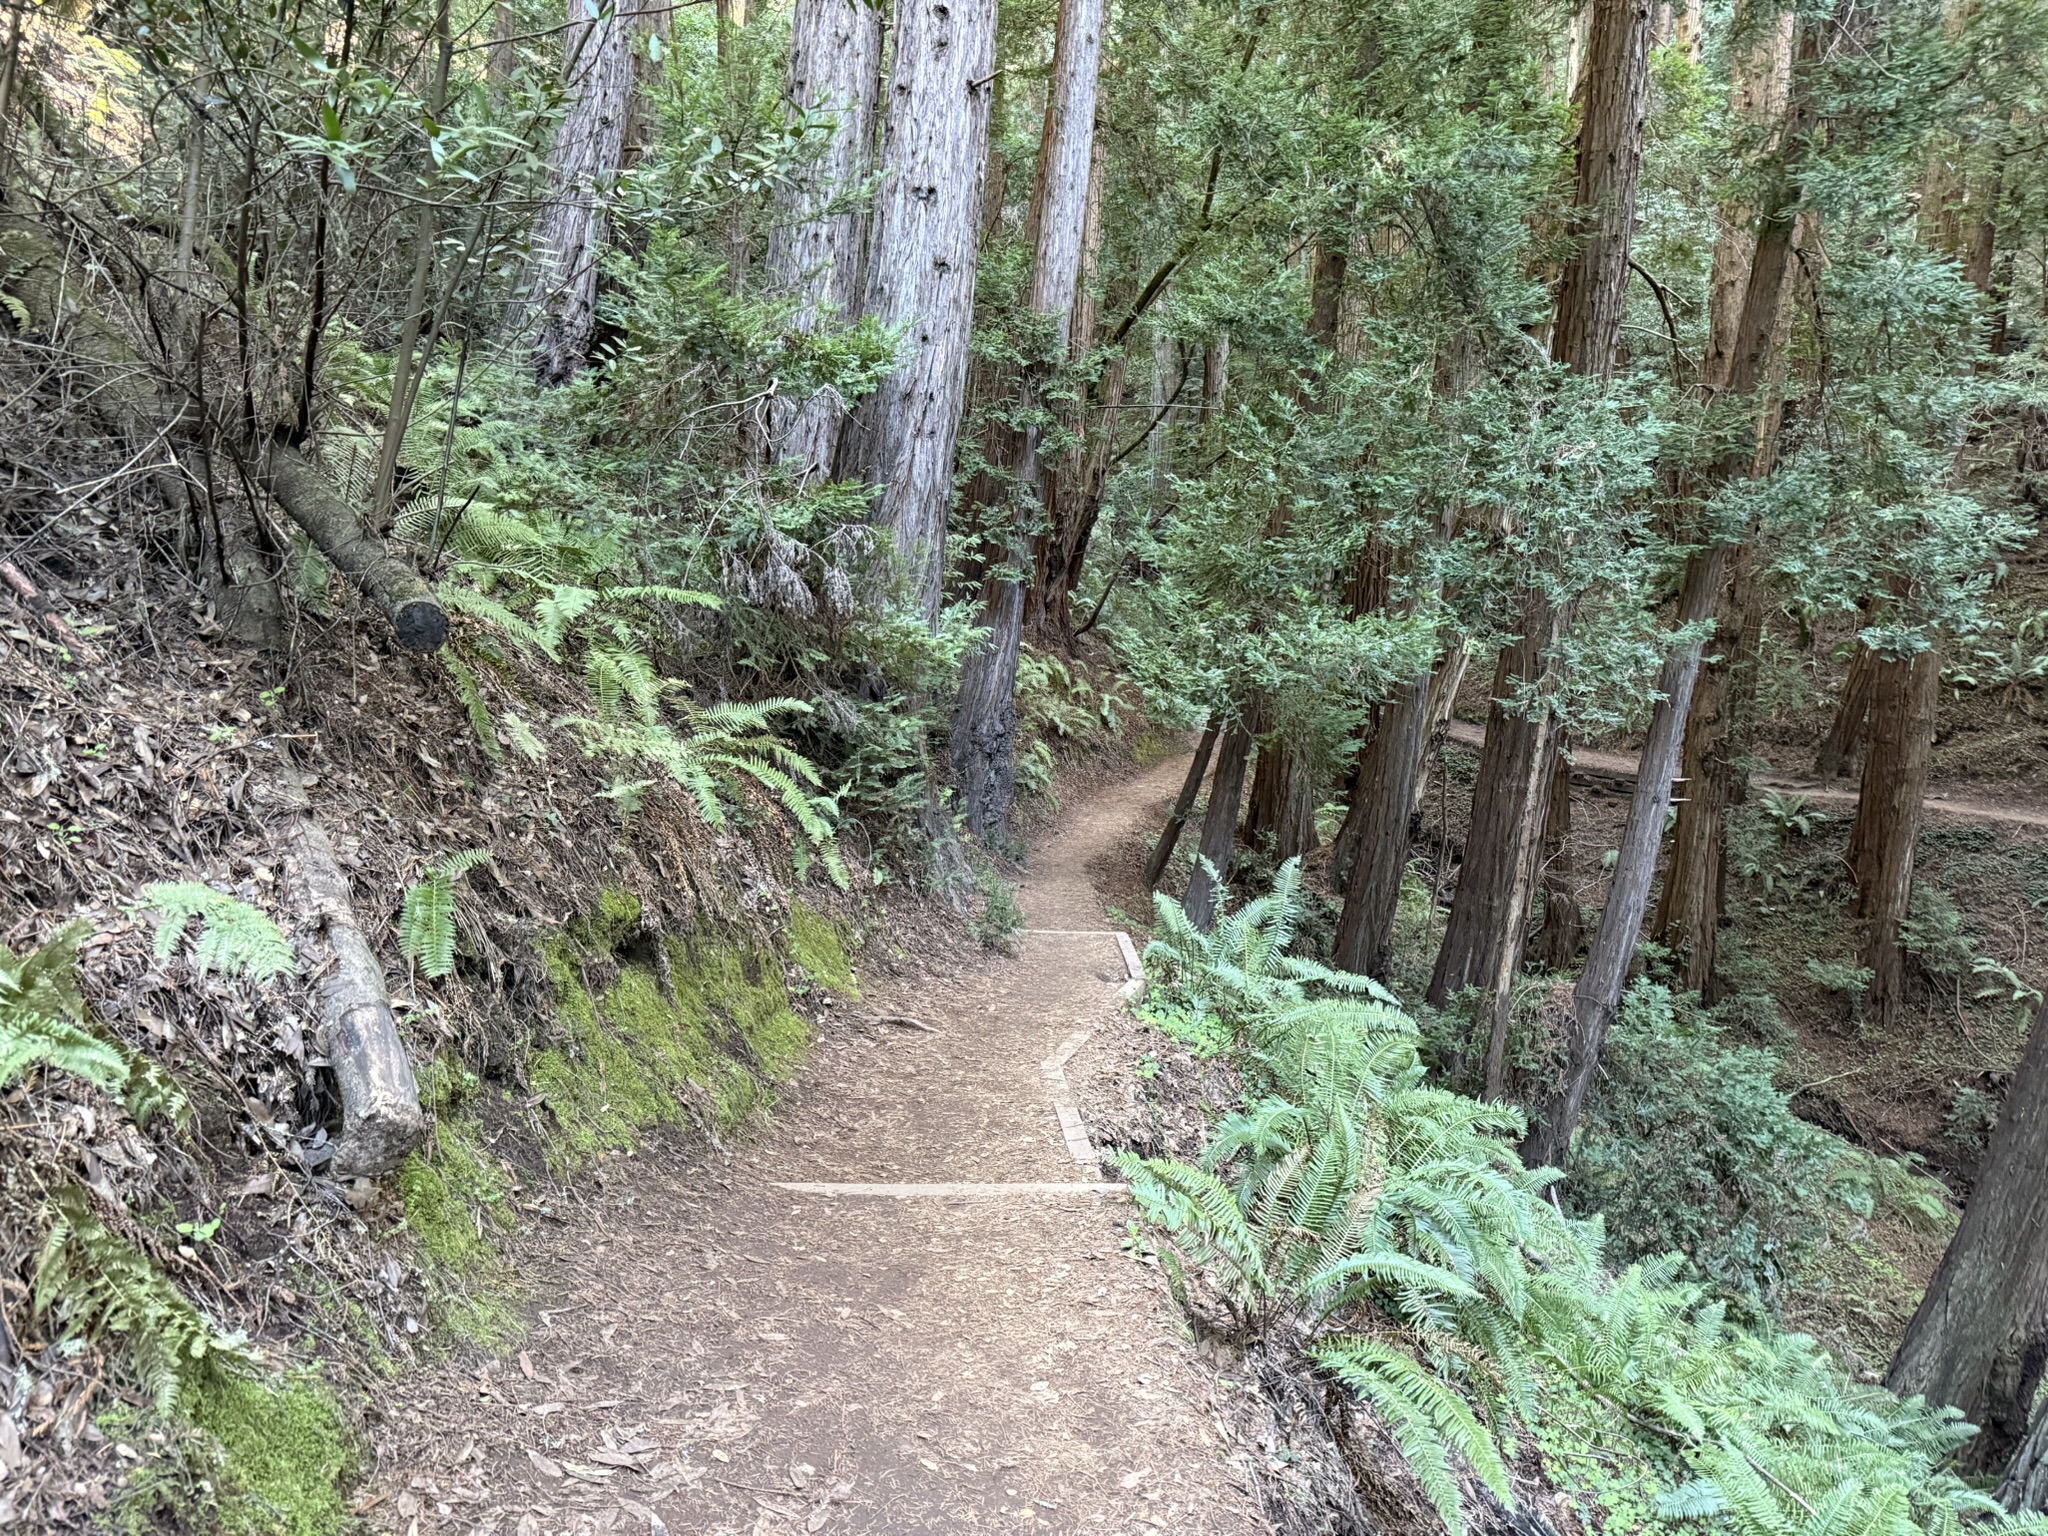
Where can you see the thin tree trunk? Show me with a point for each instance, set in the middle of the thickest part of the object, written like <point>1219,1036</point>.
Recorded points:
<point>1190,789</point>
<point>985,723</point>
<point>1903,699</point>
<point>1563,931</point>
<point>920,277</point>
<point>1852,713</point>
<point>1689,907</point>
<point>569,233</point>
<point>1980,1336</point>
<point>817,242</point>
<point>1219,827</point>
<point>1598,993</point>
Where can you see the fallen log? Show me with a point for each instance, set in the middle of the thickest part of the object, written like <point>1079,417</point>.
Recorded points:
<point>416,615</point>
<point>381,1119</point>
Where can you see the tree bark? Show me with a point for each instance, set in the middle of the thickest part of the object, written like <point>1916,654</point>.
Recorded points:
<point>569,233</point>
<point>1689,908</point>
<point>985,722</point>
<point>2025,1488</point>
<point>1563,932</point>
<point>1598,994</point>
<point>1501,842</point>
<point>1376,831</point>
<point>921,261</point>
<point>1845,731</point>
<point>380,1099</point>
<point>1904,694</point>
<point>1613,100</point>
<point>1190,788</point>
<point>815,248</point>
<point>1980,1336</point>
<point>392,584</point>
<point>1219,827</point>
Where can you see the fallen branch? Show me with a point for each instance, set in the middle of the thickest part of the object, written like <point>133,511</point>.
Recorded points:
<point>901,1021</point>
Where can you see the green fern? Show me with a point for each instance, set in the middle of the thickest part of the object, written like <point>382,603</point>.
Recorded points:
<point>1429,1421</point>
<point>95,1285</point>
<point>233,937</point>
<point>42,1016</point>
<point>426,925</point>
<point>473,705</point>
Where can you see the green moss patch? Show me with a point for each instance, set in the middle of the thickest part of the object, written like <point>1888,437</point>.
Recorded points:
<point>445,1186</point>
<point>286,1455</point>
<point>699,1032</point>
<point>816,947</point>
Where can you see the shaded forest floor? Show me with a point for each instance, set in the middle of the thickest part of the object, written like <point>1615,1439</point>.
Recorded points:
<point>713,1351</point>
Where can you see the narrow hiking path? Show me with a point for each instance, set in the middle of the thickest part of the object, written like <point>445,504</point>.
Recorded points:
<point>1588,761</point>
<point>716,1352</point>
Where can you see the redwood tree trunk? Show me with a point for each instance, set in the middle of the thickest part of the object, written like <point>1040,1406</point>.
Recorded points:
<point>1613,99</point>
<point>814,252</point>
<point>985,722</point>
<point>1219,827</point>
<point>920,278</point>
<point>1716,739</point>
<point>1980,1336</point>
<point>1191,786</point>
<point>1598,993</point>
<point>1903,697</point>
<point>1558,941</point>
<point>1376,831</point>
<point>1501,843</point>
<point>569,233</point>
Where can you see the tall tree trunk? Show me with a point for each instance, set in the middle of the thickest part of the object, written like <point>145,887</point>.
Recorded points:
<point>1563,931</point>
<point>985,723</point>
<point>1598,993</point>
<point>1502,840</point>
<point>920,277</point>
<point>1758,339</point>
<point>1376,831</point>
<point>1613,100</point>
<point>1482,944</point>
<point>569,233</point>
<point>1689,907</point>
<point>1190,788</point>
<point>1980,1336</point>
<point>1903,697</point>
<point>814,250</point>
<point>1219,827</point>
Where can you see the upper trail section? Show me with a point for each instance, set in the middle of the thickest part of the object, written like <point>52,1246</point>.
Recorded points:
<point>1622,765</point>
<point>718,1352</point>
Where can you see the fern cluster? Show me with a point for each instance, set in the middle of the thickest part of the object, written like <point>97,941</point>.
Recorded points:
<point>233,938</point>
<point>96,1285</point>
<point>1392,1227</point>
<point>43,1024</point>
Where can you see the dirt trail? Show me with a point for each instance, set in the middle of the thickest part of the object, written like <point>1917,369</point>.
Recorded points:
<point>717,1353</point>
<point>1622,765</point>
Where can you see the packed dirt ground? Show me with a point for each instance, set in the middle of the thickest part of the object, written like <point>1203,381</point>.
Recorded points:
<point>713,1351</point>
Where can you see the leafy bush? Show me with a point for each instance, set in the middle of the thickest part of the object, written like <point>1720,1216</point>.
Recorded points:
<point>1387,1232</point>
<point>1690,1145</point>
